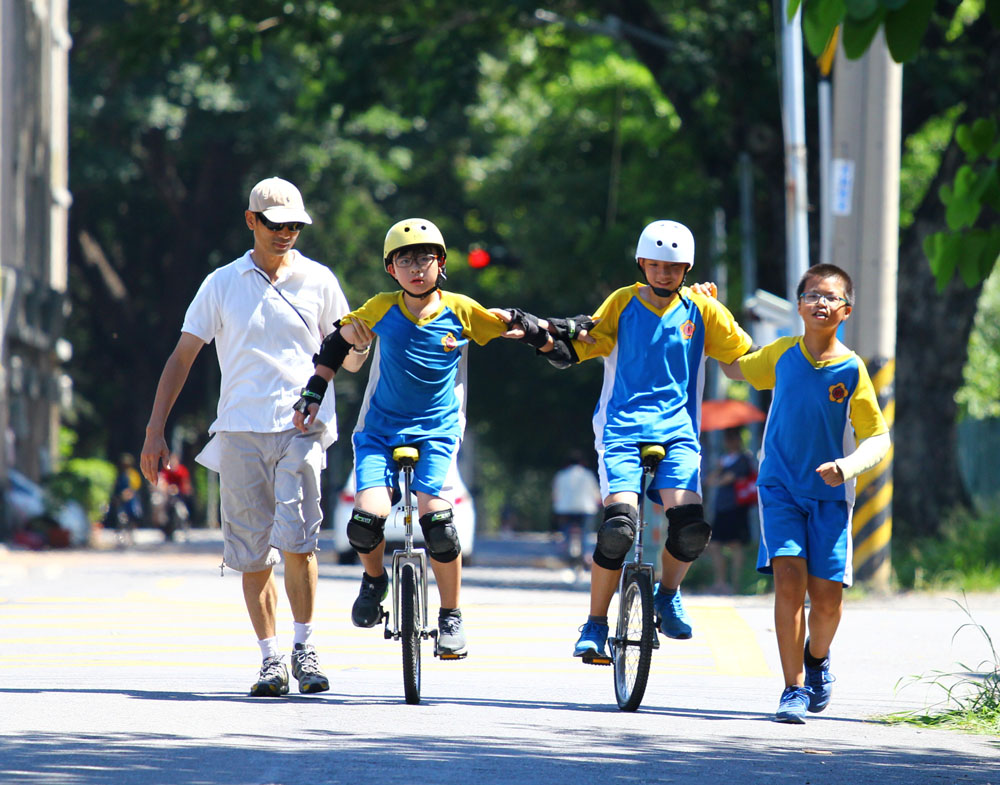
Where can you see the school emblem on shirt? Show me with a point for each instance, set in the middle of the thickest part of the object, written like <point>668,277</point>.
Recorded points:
<point>450,342</point>
<point>687,329</point>
<point>838,393</point>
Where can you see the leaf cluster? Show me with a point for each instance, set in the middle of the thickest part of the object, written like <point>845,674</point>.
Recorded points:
<point>972,246</point>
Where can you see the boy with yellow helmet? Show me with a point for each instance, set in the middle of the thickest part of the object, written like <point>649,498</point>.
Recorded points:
<point>415,396</point>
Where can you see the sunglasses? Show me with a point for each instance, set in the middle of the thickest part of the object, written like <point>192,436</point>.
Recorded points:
<point>292,226</point>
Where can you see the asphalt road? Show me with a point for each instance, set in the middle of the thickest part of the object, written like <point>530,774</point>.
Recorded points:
<point>133,666</point>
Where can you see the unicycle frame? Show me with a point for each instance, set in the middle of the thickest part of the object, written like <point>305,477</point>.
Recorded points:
<point>650,456</point>
<point>408,554</point>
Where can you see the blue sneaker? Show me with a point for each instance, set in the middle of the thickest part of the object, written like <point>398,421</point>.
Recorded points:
<point>793,705</point>
<point>818,680</point>
<point>593,636</point>
<point>674,621</point>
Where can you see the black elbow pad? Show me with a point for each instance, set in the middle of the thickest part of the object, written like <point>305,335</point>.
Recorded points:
<point>563,354</point>
<point>332,351</point>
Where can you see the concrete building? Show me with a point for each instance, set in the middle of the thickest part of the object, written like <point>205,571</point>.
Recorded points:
<point>34,205</point>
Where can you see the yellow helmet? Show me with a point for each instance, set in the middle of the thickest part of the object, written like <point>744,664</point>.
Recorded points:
<point>412,231</point>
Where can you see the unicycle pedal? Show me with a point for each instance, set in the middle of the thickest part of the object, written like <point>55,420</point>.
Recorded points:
<point>386,633</point>
<point>593,658</point>
<point>445,655</point>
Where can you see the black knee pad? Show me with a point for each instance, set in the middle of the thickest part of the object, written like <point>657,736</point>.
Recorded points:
<point>365,531</point>
<point>440,535</point>
<point>688,533</point>
<point>616,535</point>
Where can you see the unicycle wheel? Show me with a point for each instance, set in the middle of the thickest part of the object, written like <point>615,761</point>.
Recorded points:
<point>409,624</point>
<point>633,645</point>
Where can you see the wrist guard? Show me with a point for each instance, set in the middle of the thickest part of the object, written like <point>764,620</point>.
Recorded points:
<point>562,356</point>
<point>533,334</point>
<point>569,328</point>
<point>332,351</point>
<point>313,392</point>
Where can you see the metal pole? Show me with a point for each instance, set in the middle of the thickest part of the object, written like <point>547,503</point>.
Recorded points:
<point>794,123</point>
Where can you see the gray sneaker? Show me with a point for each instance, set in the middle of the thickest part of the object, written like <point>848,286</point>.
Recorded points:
<point>305,668</point>
<point>451,635</point>
<point>272,680</point>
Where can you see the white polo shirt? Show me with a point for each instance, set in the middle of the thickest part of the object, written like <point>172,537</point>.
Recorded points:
<point>265,348</point>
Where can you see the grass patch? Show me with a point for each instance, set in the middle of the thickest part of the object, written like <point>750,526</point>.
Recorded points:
<point>963,556</point>
<point>970,697</point>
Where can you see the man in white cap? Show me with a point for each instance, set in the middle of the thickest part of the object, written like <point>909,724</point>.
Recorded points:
<point>268,312</point>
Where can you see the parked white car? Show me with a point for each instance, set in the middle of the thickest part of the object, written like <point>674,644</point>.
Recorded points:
<point>465,521</point>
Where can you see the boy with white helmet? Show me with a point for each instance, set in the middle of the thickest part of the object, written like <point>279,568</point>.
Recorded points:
<point>655,338</point>
<point>415,396</point>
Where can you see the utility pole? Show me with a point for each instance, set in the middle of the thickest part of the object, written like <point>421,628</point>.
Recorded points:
<point>793,115</point>
<point>865,206</point>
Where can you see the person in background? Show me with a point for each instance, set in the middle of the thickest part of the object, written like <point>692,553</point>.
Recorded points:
<point>733,479</point>
<point>576,499</point>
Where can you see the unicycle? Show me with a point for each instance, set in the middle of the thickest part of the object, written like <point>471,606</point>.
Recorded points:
<point>409,586</point>
<point>635,636</point>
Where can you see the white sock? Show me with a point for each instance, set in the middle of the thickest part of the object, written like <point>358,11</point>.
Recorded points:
<point>268,647</point>
<point>302,632</point>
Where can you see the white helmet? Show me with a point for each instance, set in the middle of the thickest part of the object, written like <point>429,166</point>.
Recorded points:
<point>666,241</point>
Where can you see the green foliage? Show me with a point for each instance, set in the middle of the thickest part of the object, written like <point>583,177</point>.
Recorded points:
<point>980,394</point>
<point>971,695</point>
<point>905,23</point>
<point>965,554</point>
<point>972,246</point>
<point>86,480</point>
<point>922,151</point>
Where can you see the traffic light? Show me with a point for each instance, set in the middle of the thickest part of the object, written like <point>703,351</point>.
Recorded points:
<point>479,258</point>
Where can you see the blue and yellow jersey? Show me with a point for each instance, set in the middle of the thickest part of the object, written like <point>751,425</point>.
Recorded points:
<point>654,369</point>
<point>416,387</point>
<point>819,412</point>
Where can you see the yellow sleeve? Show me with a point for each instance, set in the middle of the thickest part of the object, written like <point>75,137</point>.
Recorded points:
<point>866,416</point>
<point>479,324</point>
<point>605,332</point>
<point>371,312</point>
<point>725,340</point>
<point>758,367</point>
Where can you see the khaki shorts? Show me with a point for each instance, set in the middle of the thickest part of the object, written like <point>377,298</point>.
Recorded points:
<point>270,495</point>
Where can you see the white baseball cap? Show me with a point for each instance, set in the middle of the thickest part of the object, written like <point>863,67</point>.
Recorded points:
<point>279,201</point>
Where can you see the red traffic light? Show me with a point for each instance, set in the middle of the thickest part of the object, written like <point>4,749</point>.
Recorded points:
<point>478,258</point>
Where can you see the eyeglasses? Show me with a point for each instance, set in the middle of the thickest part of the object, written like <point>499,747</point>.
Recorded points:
<point>812,298</point>
<point>424,260</point>
<point>292,226</point>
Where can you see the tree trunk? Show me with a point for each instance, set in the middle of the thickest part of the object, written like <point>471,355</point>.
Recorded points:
<point>932,339</point>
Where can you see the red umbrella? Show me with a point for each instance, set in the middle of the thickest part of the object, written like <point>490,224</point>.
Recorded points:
<point>719,415</point>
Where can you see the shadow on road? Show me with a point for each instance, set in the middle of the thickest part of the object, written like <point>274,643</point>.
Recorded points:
<point>571,756</point>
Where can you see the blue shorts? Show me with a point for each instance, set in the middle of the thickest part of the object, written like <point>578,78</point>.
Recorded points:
<point>816,530</point>
<point>620,470</point>
<point>375,468</point>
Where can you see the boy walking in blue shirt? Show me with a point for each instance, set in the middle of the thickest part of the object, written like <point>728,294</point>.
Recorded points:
<point>824,428</point>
